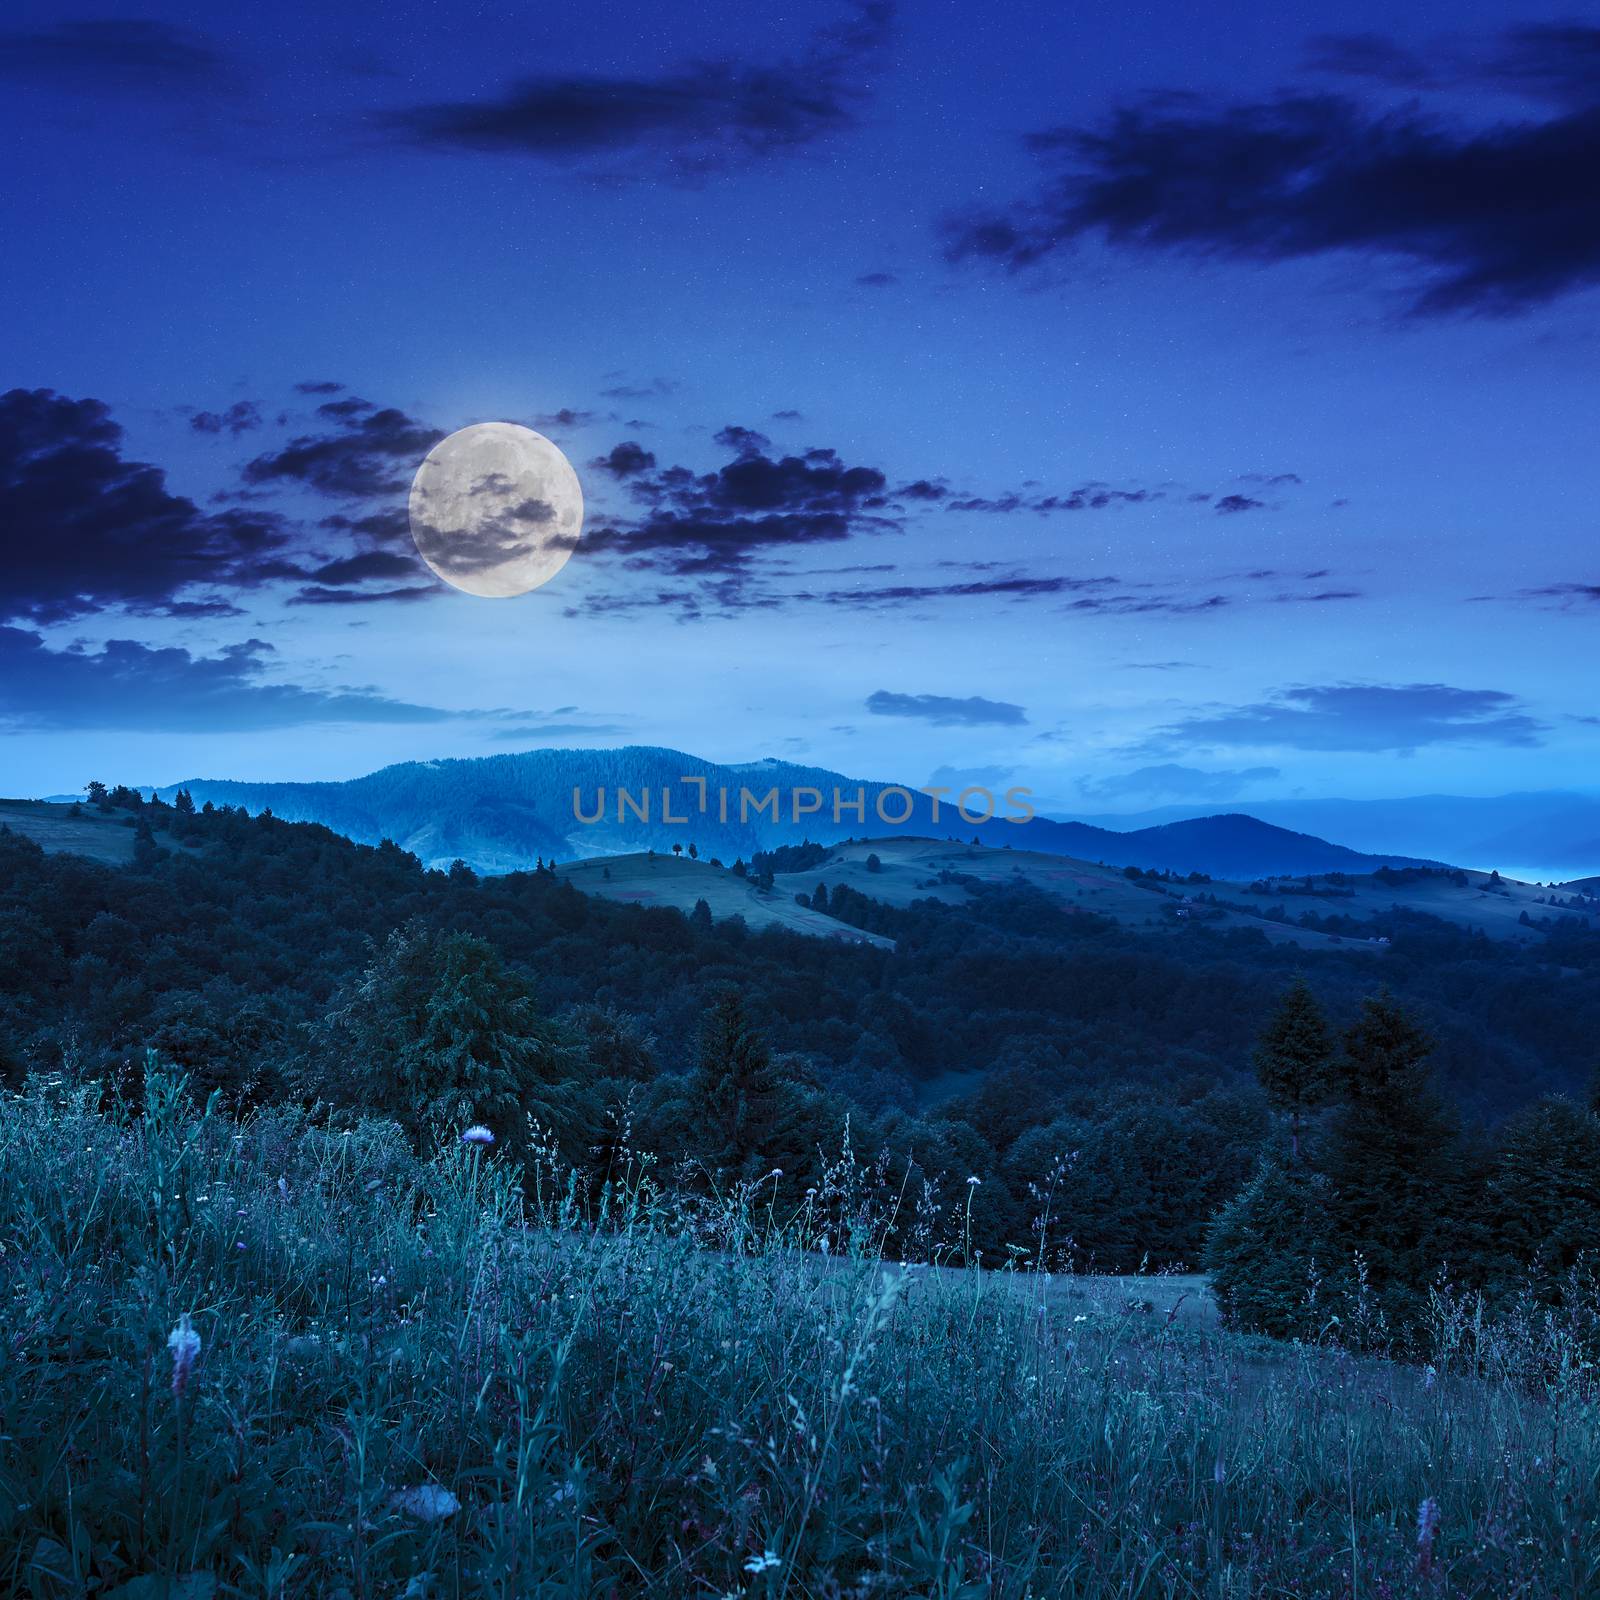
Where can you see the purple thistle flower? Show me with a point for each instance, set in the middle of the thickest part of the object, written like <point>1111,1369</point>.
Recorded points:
<point>477,1134</point>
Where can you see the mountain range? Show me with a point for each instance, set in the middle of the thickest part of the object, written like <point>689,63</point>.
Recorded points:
<point>500,813</point>
<point>1541,834</point>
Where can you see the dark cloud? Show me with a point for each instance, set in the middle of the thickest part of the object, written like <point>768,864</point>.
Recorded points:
<point>1495,218</point>
<point>131,687</point>
<point>99,54</point>
<point>318,386</point>
<point>1557,62</point>
<point>86,528</point>
<point>1017,587</point>
<point>320,595</point>
<point>566,417</point>
<point>345,410</point>
<point>1169,781</point>
<point>1089,497</point>
<point>1566,593</point>
<point>687,123</point>
<point>788,415</point>
<point>1371,56</point>
<point>1238,502</point>
<point>240,417</point>
<point>1364,717</point>
<point>655,389</point>
<point>369,564</point>
<point>388,525</point>
<point>710,525</point>
<point>743,441</point>
<point>877,280</point>
<point>944,711</point>
<point>368,453</point>
<point>625,460</point>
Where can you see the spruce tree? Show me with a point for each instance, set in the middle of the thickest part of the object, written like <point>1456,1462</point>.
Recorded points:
<point>1544,1195</point>
<point>1394,1158</point>
<point>1293,1058</point>
<point>1272,1256</point>
<point>740,1101</point>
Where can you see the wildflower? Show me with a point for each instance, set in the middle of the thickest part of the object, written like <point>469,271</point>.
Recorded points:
<point>1427,1527</point>
<point>184,1343</point>
<point>974,1183</point>
<point>777,1172</point>
<point>762,1562</point>
<point>1219,1473</point>
<point>1429,1376</point>
<point>283,1187</point>
<point>428,1502</point>
<point>477,1134</point>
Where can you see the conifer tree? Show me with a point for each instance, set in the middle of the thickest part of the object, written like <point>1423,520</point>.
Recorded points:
<point>1293,1057</point>
<point>1394,1158</point>
<point>739,1099</point>
<point>1544,1195</point>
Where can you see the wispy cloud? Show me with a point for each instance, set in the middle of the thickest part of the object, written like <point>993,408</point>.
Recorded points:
<point>944,710</point>
<point>1362,717</point>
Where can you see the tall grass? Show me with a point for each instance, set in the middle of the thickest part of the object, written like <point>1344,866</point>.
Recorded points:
<point>418,1378</point>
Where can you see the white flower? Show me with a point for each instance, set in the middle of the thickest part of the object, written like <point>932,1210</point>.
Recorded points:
<point>428,1502</point>
<point>974,1183</point>
<point>1429,1376</point>
<point>477,1134</point>
<point>184,1343</point>
<point>760,1563</point>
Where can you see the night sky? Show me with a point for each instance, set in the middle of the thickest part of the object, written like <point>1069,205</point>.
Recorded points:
<point>1142,403</point>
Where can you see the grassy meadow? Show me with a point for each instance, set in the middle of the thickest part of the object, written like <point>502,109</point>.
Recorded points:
<point>429,1377</point>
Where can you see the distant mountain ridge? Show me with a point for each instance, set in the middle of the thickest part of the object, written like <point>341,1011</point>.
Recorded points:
<point>1553,833</point>
<point>498,813</point>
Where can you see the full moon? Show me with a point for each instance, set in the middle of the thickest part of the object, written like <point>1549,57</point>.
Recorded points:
<point>496,509</point>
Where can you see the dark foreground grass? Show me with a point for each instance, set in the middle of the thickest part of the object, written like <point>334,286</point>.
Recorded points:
<point>413,1382</point>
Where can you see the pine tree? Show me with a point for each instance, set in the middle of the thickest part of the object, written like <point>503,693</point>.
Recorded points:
<point>1544,1195</point>
<point>740,1101</point>
<point>819,900</point>
<point>1271,1252</point>
<point>146,852</point>
<point>700,917</point>
<point>1293,1056</point>
<point>438,1032</point>
<point>1395,1159</point>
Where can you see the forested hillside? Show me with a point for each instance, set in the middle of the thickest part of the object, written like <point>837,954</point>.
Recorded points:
<point>274,960</point>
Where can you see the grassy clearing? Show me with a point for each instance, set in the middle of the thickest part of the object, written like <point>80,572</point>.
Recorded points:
<point>667,880</point>
<point>416,1378</point>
